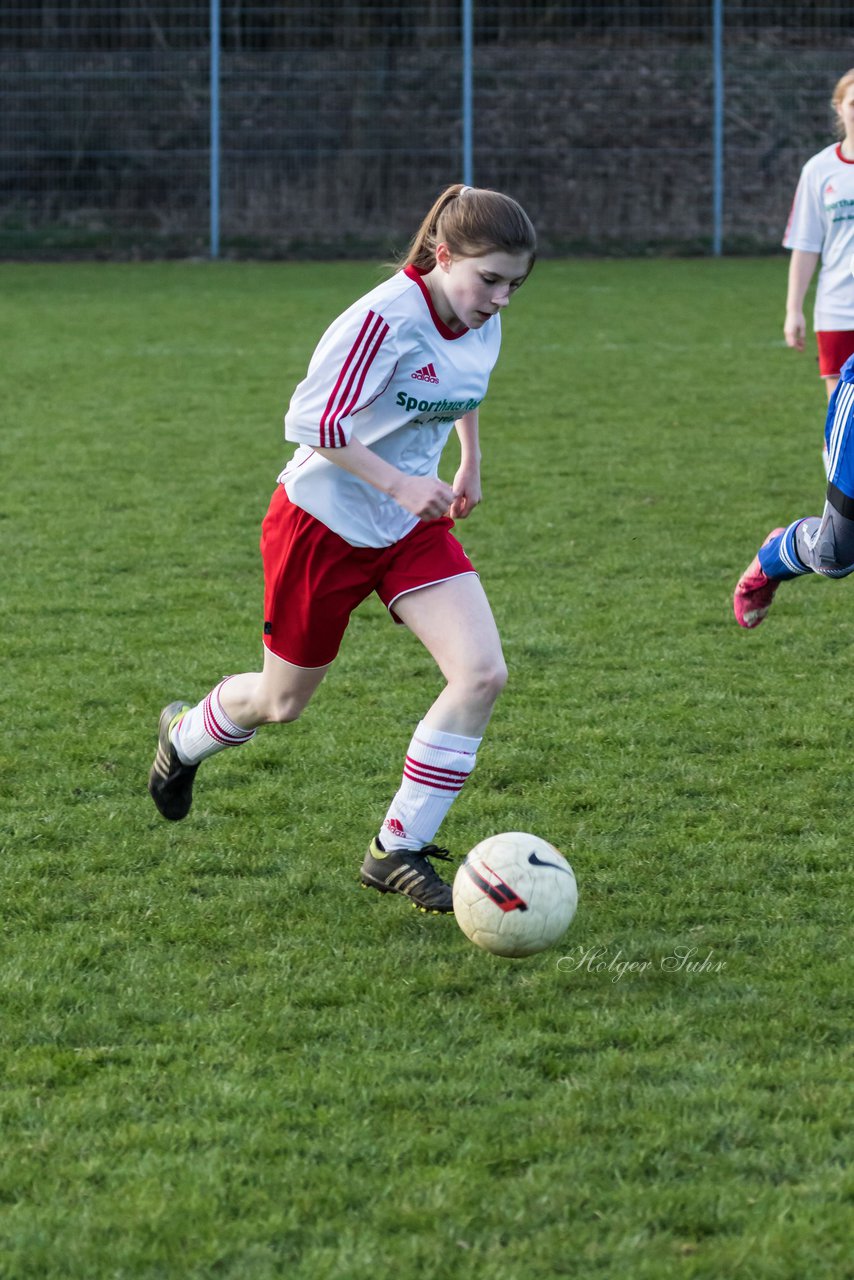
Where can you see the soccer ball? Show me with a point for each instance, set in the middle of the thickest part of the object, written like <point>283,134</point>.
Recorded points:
<point>515,894</point>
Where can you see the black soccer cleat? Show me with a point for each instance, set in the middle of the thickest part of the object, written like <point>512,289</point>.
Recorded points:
<point>170,782</point>
<point>409,871</point>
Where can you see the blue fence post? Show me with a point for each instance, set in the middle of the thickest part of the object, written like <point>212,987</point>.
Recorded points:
<point>468,95</point>
<point>214,129</point>
<point>718,126</point>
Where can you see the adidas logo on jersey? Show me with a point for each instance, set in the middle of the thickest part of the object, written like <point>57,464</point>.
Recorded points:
<point>427,374</point>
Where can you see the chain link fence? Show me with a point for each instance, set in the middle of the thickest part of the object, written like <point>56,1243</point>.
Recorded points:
<point>336,123</point>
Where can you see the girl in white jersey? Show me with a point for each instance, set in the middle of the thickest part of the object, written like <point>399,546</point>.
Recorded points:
<point>821,228</point>
<point>360,508</point>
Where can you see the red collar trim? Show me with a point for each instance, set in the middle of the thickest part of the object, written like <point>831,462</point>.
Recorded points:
<point>840,156</point>
<point>415,273</point>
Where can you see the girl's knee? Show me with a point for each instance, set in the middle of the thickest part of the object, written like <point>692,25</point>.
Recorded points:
<point>283,708</point>
<point>490,680</point>
<point>834,554</point>
<point>831,546</point>
<point>284,691</point>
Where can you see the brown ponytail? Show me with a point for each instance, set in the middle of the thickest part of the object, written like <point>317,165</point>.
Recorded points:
<point>471,221</point>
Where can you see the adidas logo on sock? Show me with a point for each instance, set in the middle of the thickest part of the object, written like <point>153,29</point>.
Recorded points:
<point>427,374</point>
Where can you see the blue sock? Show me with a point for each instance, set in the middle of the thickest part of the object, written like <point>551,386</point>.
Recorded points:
<point>779,557</point>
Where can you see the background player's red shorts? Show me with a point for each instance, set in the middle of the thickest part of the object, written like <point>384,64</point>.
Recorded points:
<point>313,579</point>
<point>834,348</point>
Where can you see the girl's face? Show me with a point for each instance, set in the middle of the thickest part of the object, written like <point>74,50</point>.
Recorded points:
<point>845,111</point>
<point>473,289</point>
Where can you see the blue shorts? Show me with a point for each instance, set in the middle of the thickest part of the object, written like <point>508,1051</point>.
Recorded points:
<point>839,438</point>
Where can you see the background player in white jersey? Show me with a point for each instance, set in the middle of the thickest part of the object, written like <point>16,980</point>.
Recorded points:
<point>360,508</point>
<point>821,229</point>
<point>811,544</point>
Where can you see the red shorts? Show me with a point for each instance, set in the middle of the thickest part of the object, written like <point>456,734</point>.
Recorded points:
<point>834,348</point>
<point>313,579</point>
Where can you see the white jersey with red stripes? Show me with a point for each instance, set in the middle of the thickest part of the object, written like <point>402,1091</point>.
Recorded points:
<point>390,373</point>
<point>822,221</point>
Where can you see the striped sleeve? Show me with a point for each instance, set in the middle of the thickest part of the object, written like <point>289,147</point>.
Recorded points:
<point>353,362</point>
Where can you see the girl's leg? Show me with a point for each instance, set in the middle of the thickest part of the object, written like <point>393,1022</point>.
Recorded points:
<point>813,544</point>
<point>278,693</point>
<point>227,717</point>
<point>455,623</point>
<point>825,544</point>
<point>233,710</point>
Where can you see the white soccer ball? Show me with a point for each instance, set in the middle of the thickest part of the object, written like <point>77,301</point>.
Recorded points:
<point>515,894</point>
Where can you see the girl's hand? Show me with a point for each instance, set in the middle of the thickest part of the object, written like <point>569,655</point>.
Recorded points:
<point>425,496</point>
<point>467,493</point>
<point>794,330</point>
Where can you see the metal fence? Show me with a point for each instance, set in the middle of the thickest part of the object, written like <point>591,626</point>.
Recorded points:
<point>326,128</point>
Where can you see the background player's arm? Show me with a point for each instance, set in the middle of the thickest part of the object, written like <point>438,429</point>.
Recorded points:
<point>427,497</point>
<point>467,487</point>
<point>802,264</point>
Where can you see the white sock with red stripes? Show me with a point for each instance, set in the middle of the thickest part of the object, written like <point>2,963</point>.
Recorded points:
<point>206,729</point>
<point>437,764</point>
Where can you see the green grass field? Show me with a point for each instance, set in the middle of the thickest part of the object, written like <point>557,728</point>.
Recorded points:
<point>221,1058</point>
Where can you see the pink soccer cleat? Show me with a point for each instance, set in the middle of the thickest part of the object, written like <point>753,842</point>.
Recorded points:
<point>755,591</point>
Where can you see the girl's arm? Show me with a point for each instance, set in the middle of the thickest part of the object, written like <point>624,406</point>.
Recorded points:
<point>467,488</point>
<point>427,497</point>
<point>802,264</point>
